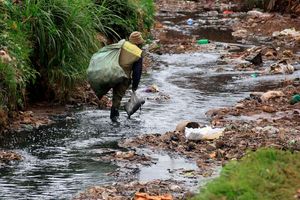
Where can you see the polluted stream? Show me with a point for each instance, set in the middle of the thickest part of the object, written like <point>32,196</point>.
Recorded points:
<point>60,161</point>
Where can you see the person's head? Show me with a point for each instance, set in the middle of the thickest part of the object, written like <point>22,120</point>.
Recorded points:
<point>136,38</point>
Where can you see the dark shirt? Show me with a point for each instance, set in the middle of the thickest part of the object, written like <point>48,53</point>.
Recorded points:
<point>137,69</point>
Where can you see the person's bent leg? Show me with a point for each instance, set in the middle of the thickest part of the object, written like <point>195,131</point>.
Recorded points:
<point>118,92</point>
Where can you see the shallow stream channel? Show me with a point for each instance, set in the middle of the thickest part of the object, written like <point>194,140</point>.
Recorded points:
<point>62,160</point>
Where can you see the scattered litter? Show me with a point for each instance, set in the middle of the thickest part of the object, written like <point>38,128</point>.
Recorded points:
<point>281,67</point>
<point>254,13</point>
<point>152,89</point>
<point>287,32</point>
<point>203,41</point>
<point>258,14</point>
<point>145,196</point>
<point>227,12</point>
<point>295,99</point>
<point>270,130</point>
<point>190,21</point>
<point>241,33</point>
<point>206,133</point>
<point>182,125</point>
<point>271,95</point>
<point>254,75</point>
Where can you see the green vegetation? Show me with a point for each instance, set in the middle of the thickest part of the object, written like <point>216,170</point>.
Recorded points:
<point>16,74</point>
<point>50,42</point>
<point>265,174</point>
<point>127,15</point>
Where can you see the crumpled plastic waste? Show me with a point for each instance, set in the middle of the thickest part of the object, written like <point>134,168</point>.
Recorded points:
<point>190,21</point>
<point>152,89</point>
<point>206,133</point>
<point>258,14</point>
<point>295,99</point>
<point>281,67</point>
<point>271,95</point>
<point>241,33</point>
<point>287,32</point>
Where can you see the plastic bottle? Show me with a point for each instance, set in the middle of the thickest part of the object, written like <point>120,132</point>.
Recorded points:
<point>203,41</point>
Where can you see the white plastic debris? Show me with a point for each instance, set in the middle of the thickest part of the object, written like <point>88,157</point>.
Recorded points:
<point>287,32</point>
<point>206,133</point>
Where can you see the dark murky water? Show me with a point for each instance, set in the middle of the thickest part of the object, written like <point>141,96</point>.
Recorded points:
<point>61,160</point>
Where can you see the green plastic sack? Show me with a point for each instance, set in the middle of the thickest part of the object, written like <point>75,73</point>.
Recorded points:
<point>104,70</point>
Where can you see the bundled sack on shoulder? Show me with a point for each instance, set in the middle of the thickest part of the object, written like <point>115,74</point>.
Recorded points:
<point>104,70</point>
<point>133,104</point>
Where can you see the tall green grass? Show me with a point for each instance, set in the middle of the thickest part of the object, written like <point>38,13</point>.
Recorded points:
<point>17,74</point>
<point>63,34</point>
<point>52,41</point>
<point>266,174</point>
<point>126,16</point>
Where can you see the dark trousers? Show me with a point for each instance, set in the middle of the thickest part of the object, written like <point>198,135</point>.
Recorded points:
<point>119,91</point>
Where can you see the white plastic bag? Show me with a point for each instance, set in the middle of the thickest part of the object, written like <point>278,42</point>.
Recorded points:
<point>206,133</point>
<point>133,104</point>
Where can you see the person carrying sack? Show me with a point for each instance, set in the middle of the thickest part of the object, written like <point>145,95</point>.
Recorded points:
<point>116,66</point>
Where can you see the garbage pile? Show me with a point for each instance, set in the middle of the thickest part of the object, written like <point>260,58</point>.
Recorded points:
<point>154,190</point>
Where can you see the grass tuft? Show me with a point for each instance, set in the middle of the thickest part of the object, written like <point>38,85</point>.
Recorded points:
<point>265,174</point>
